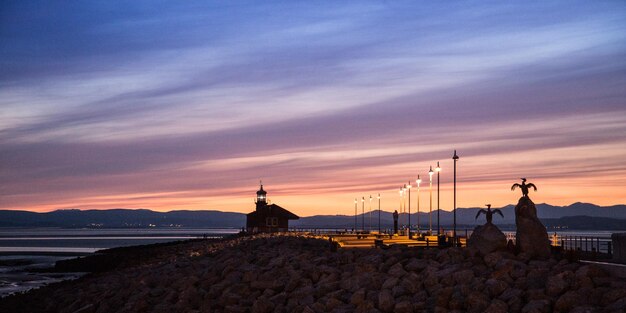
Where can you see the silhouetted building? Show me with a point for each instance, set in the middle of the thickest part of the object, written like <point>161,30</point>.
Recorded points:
<point>268,217</point>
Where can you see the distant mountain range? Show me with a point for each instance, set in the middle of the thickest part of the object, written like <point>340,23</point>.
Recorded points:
<point>121,218</point>
<point>575,216</point>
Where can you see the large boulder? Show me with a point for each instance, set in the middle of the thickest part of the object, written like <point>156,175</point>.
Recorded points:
<point>531,236</point>
<point>487,238</point>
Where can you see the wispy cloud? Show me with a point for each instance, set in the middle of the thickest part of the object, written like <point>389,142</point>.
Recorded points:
<point>186,105</point>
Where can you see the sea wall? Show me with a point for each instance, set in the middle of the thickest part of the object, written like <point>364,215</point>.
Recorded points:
<point>270,273</point>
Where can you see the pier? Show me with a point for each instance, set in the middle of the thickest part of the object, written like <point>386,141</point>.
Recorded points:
<point>381,240</point>
<point>584,247</point>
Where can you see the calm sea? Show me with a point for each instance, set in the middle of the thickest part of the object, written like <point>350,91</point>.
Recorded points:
<point>23,250</point>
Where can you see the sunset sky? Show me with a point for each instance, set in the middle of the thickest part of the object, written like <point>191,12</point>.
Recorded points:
<point>186,105</point>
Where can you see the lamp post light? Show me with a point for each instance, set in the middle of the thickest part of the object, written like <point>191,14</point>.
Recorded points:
<point>355,213</point>
<point>455,158</point>
<point>430,212</point>
<point>408,186</point>
<point>379,213</point>
<point>438,169</point>
<point>370,212</point>
<point>362,213</point>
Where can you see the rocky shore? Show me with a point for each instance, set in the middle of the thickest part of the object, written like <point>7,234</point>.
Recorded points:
<point>290,273</point>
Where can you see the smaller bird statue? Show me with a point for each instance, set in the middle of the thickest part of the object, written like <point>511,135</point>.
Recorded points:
<point>489,213</point>
<point>524,187</point>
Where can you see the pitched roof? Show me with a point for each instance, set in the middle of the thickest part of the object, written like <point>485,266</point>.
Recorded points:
<point>276,210</point>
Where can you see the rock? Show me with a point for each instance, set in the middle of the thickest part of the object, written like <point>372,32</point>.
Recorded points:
<point>536,306</point>
<point>443,297</point>
<point>398,291</point>
<point>537,278</point>
<point>531,236</point>
<point>416,265</point>
<point>303,295</point>
<point>266,284</point>
<point>555,285</point>
<point>495,287</point>
<point>463,277</point>
<point>491,259</point>
<point>262,305</point>
<point>487,238</point>
<point>617,306</point>
<point>567,301</point>
<point>497,306</point>
<point>279,298</point>
<point>411,283</point>
<point>318,307</point>
<point>583,309</point>
<point>403,307</point>
<point>590,271</point>
<point>509,294</point>
<point>390,283</point>
<point>358,297</point>
<point>515,305</point>
<point>333,303</point>
<point>536,294</point>
<point>386,302</point>
<point>397,270</point>
<point>613,295</point>
<point>307,309</point>
<point>456,301</point>
<point>477,302</point>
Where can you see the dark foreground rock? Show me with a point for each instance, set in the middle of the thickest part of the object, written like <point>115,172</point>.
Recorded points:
<point>297,274</point>
<point>531,236</point>
<point>487,238</point>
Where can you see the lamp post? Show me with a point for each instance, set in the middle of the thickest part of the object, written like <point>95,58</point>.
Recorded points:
<point>363,213</point>
<point>405,191</point>
<point>370,212</point>
<point>438,169</point>
<point>455,158</point>
<point>430,212</point>
<point>401,204</point>
<point>408,186</point>
<point>355,213</point>
<point>418,181</point>
<point>379,213</point>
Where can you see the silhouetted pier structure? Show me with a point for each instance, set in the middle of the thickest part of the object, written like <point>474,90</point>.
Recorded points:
<point>364,239</point>
<point>587,247</point>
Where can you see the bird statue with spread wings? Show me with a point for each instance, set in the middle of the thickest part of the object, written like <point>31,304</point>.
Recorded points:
<point>524,187</point>
<point>489,213</point>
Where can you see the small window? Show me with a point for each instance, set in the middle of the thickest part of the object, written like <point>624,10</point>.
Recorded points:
<point>271,221</point>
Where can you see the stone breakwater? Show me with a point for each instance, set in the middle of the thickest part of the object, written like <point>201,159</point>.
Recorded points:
<point>289,273</point>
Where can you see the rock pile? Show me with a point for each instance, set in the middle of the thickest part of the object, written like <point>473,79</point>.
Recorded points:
<point>531,236</point>
<point>267,273</point>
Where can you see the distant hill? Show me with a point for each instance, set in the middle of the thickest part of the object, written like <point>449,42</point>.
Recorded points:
<point>575,216</point>
<point>121,218</point>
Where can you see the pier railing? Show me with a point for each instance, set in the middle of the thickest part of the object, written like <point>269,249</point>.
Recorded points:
<point>591,244</point>
<point>587,244</point>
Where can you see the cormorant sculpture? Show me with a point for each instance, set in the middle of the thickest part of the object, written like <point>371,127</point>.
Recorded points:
<point>489,213</point>
<point>524,186</point>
